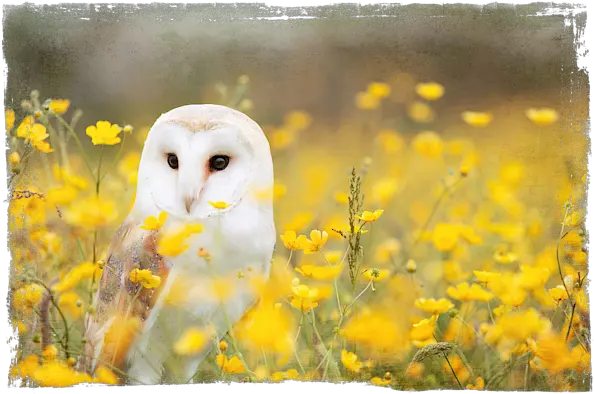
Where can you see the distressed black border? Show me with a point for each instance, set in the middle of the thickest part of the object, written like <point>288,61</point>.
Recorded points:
<point>273,10</point>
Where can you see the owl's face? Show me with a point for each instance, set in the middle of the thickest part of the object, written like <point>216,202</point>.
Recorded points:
<point>193,157</point>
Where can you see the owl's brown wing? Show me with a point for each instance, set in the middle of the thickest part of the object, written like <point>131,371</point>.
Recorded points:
<point>121,306</point>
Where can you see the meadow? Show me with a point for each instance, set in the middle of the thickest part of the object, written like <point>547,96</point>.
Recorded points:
<point>407,257</point>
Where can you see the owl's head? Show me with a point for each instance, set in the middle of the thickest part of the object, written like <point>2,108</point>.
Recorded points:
<point>200,153</point>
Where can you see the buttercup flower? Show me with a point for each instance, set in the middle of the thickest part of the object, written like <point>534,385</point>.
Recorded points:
<point>434,306</point>
<point>145,278</point>
<point>104,133</point>
<point>477,119</point>
<point>192,341</point>
<point>430,90</point>
<point>370,217</point>
<point>219,204</point>
<point>59,106</point>
<point>542,116</point>
<point>152,223</point>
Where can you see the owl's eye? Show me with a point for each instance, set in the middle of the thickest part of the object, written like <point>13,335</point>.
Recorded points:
<point>173,161</point>
<point>218,162</point>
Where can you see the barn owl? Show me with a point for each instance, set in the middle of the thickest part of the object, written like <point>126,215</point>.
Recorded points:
<point>193,155</point>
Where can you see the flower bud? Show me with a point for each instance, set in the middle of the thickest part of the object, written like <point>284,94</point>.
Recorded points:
<point>36,338</point>
<point>37,114</point>
<point>453,312</point>
<point>26,105</point>
<point>79,303</point>
<point>223,346</point>
<point>128,128</point>
<point>411,266</point>
<point>71,361</point>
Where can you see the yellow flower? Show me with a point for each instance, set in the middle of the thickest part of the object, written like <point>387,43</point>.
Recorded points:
<point>84,270</point>
<point>281,138</point>
<point>59,374</point>
<point>350,361</point>
<point>314,244</point>
<point>390,141</point>
<point>68,178</point>
<point>145,278</point>
<point>485,276</point>
<point>223,346</point>
<point>420,112</point>
<point>378,89</point>
<point>411,266</point>
<point>299,221</point>
<point>91,212</point>
<point>153,224</point>
<point>27,297</point>
<point>9,118</point>
<point>298,120</point>
<point>428,144</point>
<point>468,234</point>
<point>105,375</point>
<point>422,332</point>
<point>21,327</point>
<point>49,353</point>
<point>326,272</point>
<point>104,133</point>
<point>479,384</point>
<point>71,304</point>
<point>533,278</point>
<point>26,368</point>
<point>445,236</point>
<point>59,106</point>
<point>290,374</point>
<point>369,217</point>
<point>341,198</point>
<point>502,256</point>
<point>192,342</point>
<point>430,90</point>
<point>387,249</point>
<point>366,100</point>
<point>477,119</point>
<point>509,288</point>
<point>14,158</point>
<point>291,241</point>
<point>521,325</point>
<point>542,116</point>
<point>34,133</point>
<point>383,190</point>
<point>554,354</point>
<point>255,328</point>
<point>375,274</point>
<point>173,243</point>
<point>415,370</point>
<point>64,195</point>
<point>434,306</point>
<point>376,380</point>
<point>464,292</point>
<point>232,365</point>
<point>219,204</point>
<point>378,330</point>
<point>558,293</point>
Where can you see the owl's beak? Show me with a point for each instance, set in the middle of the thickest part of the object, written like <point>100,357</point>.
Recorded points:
<point>189,201</point>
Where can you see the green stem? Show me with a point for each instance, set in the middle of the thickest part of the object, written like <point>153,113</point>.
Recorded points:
<point>55,304</point>
<point>78,144</point>
<point>454,372</point>
<point>117,158</point>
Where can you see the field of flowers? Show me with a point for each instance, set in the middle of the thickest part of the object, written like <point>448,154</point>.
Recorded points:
<point>406,257</point>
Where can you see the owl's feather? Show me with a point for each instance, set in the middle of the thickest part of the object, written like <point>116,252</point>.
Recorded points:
<point>120,306</point>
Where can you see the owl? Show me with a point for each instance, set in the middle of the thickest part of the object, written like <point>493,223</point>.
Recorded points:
<point>193,156</point>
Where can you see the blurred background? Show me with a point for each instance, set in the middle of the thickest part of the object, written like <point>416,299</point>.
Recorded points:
<point>130,63</point>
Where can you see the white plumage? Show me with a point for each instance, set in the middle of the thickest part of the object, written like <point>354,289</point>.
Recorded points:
<point>220,155</point>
